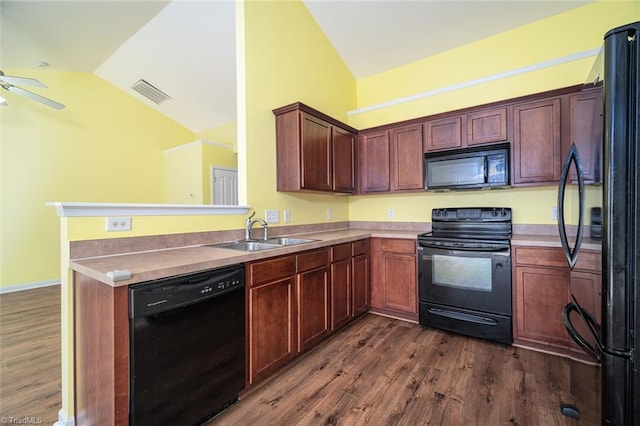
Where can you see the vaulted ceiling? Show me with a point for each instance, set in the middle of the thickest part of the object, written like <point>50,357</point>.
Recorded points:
<point>186,48</point>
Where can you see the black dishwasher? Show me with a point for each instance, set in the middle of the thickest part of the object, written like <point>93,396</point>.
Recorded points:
<point>187,346</point>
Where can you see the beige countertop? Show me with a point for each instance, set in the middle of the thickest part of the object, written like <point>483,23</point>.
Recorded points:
<point>151,265</point>
<point>156,264</point>
<point>552,241</point>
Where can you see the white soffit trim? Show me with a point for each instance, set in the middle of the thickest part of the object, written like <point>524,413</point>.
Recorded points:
<point>69,209</point>
<point>517,71</point>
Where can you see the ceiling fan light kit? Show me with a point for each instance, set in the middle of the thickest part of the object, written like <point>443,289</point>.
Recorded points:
<point>8,83</point>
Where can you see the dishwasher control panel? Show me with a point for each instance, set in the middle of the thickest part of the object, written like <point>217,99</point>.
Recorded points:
<point>170,293</point>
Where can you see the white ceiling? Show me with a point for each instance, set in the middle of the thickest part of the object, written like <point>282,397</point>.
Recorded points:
<point>186,47</point>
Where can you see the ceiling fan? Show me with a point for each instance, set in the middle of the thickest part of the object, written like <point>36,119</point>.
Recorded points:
<point>8,83</point>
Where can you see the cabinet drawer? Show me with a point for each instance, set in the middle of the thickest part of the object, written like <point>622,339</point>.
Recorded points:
<point>540,256</point>
<point>589,261</point>
<point>270,270</point>
<point>398,246</point>
<point>340,252</point>
<point>312,259</point>
<point>360,247</point>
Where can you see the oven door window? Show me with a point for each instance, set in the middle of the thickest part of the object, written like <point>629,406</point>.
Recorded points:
<point>468,273</point>
<point>478,281</point>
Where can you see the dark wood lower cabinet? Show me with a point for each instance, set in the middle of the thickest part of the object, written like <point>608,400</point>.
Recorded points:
<point>361,273</point>
<point>272,327</point>
<point>341,285</point>
<point>394,278</point>
<point>297,300</point>
<point>313,307</point>
<point>542,286</point>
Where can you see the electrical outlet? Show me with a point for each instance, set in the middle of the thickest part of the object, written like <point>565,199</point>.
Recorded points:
<point>287,216</point>
<point>554,213</point>
<point>272,216</point>
<point>391,213</point>
<point>329,215</point>
<point>118,223</point>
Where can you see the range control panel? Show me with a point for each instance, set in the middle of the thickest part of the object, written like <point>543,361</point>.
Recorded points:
<point>480,214</point>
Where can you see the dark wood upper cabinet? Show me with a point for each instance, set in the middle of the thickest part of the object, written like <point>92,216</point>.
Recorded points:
<point>536,142</point>
<point>374,162</point>
<point>406,158</point>
<point>314,152</point>
<point>343,144</point>
<point>445,133</point>
<point>486,126</point>
<point>585,130</point>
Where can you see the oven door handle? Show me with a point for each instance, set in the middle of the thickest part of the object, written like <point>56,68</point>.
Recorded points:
<point>498,248</point>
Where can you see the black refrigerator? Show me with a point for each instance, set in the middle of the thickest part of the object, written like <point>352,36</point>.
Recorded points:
<point>614,343</point>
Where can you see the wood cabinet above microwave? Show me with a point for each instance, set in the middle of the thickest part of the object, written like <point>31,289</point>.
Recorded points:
<point>459,131</point>
<point>314,151</point>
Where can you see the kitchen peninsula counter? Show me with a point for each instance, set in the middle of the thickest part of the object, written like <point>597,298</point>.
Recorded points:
<point>156,264</point>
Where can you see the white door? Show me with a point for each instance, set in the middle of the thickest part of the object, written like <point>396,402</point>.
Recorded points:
<point>224,186</point>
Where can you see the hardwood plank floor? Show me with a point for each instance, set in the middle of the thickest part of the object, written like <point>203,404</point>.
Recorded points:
<point>30,390</point>
<point>382,371</point>
<point>377,371</point>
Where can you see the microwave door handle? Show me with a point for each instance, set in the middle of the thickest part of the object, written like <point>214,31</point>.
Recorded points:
<point>486,169</point>
<point>571,254</point>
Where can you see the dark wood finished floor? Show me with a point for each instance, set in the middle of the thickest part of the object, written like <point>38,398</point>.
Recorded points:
<point>30,356</point>
<point>378,371</point>
<point>382,371</point>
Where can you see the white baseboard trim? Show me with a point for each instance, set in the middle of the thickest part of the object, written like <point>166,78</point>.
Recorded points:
<point>63,420</point>
<point>29,286</point>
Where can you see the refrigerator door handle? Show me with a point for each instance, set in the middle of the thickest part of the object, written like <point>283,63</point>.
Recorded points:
<point>571,253</point>
<point>596,350</point>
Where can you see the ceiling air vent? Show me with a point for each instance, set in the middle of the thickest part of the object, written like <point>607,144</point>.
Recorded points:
<point>150,92</point>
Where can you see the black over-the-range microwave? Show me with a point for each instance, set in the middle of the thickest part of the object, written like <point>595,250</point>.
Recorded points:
<point>483,167</point>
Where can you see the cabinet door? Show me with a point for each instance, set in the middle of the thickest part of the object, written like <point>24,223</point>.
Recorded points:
<point>587,288</point>
<point>316,153</point>
<point>407,158</point>
<point>399,292</point>
<point>272,333</point>
<point>344,148</point>
<point>340,293</point>
<point>374,162</point>
<point>541,294</point>
<point>360,270</point>
<point>586,109</point>
<point>536,142</point>
<point>445,133</point>
<point>487,126</point>
<point>313,307</point>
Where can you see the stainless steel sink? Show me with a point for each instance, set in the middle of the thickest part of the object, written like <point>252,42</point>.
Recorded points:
<point>287,241</point>
<point>271,243</point>
<point>246,245</point>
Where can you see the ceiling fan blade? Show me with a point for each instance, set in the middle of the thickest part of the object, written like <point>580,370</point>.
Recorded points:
<point>34,96</point>
<point>26,81</point>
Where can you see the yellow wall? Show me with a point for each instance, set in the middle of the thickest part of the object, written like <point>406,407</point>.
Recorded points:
<point>288,59</point>
<point>183,174</point>
<point>226,134</point>
<point>562,35</point>
<point>105,146</point>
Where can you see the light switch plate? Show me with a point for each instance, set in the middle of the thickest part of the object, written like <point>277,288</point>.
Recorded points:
<point>272,216</point>
<point>287,216</point>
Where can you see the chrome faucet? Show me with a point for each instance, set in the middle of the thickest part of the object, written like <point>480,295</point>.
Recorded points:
<point>249,224</point>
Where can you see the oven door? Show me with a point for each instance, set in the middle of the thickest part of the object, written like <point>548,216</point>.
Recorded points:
<point>477,280</point>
